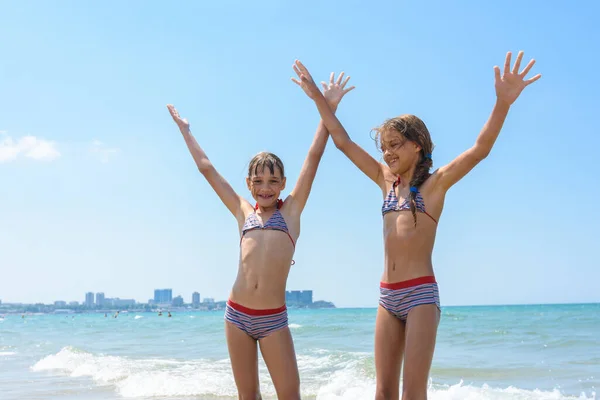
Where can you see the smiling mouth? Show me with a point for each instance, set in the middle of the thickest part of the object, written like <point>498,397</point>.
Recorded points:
<point>266,196</point>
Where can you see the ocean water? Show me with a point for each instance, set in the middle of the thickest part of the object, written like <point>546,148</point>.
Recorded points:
<point>508,352</point>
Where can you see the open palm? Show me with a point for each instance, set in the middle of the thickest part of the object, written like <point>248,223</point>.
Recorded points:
<point>510,84</point>
<point>333,93</point>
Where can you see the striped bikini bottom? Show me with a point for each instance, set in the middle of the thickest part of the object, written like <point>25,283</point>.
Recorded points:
<point>258,324</point>
<point>400,297</point>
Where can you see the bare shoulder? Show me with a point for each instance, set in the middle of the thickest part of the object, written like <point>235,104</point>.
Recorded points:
<point>245,210</point>
<point>433,193</point>
<point>388,179</point>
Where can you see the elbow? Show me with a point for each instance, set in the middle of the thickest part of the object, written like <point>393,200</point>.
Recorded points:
<point>341,144</point>
<point>481,151</point>
<point>205,167</point>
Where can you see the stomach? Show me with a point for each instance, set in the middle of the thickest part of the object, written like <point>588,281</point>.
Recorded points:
<point>408,249</point>
<point>264,266</point>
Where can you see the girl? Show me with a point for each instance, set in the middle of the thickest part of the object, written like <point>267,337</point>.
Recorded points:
<point>269,230</point>
<point>413,198</point>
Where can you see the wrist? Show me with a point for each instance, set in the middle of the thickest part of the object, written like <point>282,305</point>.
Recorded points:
<point>502,104</point>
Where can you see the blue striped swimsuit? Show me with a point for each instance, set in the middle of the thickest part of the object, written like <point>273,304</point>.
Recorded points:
<point>276,222</point>
<point>257,324</point>
<point>391,203</point>
<point>401,297</point>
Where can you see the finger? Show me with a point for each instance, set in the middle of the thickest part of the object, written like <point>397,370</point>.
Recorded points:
<point>349,89</point>
<point>527,68</point>
<point>173,111</point>
<point>530,81</point>
<point>296,81</point>
<point>331,76</point>
<point>345,81</point>
<point>324,85</point>
<point>507,63</point>
<point>339,79</point>
<point>497,73</point>
<point>302,68</point>
<point>518,63</point>
<point>296,70</point>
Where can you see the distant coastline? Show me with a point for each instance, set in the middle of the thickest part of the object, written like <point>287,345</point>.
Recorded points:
<point>38,308</point>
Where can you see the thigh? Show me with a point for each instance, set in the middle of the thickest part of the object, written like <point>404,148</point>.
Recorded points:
<point>278,352</point>
<point>243,353</point>
<point>389,349</point>
<point>421,332</point>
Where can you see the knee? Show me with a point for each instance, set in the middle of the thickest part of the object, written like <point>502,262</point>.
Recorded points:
<point>384,392</point>
<point>290,392</point>
<point>249,395</point>
<point>409,393</point>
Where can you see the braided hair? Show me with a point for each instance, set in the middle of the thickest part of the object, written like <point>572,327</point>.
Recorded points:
<point>413,129</point>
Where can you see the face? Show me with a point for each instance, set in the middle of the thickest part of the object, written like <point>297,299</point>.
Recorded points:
<point>399,153</point>
<point>266,187</point>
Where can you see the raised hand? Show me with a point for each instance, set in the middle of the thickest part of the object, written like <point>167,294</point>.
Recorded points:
<point>334,92</point>
<point>306,81</point>
<point>510,84</point>
<point>182,123</point>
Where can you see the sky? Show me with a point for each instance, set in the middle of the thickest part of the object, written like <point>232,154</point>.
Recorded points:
<point>99,193</point>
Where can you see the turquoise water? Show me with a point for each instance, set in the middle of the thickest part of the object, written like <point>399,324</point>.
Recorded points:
<point>511,352</point>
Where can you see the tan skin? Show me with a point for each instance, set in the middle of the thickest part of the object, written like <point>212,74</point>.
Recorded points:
<point>408,249</point>
<point>265,256</point>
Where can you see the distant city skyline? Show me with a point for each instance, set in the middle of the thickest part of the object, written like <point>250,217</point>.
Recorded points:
<point>162,296</point>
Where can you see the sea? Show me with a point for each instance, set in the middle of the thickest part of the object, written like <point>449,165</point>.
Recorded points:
<point>496,352</point>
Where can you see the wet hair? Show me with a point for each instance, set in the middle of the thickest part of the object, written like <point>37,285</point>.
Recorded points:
<point>413,129</point>
<point>265,160</point>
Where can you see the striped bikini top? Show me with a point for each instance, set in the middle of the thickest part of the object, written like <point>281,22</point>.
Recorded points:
<point>391,202</point>
<point>275,222</point>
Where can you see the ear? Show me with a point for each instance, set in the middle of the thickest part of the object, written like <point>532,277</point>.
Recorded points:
<point>417,147</point>
<point>283,184</point>
<point>249,183</point>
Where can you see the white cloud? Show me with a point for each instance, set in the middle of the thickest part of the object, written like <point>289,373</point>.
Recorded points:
<point>102,152</point>
<point>27,146</point>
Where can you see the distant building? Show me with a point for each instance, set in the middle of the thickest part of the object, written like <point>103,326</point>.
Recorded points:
<point>117,302</point>
<point>73,303</point>
<point>100,299</point>
<point>163,296</point>
<point>60,303</point>
<point>195,298</point>
<point>306,297</point>
<point>89,299</point>
<point>208,300</point>
<point>178,301</point>
<point>299,297</point>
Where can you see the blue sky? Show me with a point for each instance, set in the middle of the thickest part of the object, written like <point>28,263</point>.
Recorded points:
<point>99,192</point>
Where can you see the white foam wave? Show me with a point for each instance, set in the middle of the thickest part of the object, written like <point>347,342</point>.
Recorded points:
<point>295,326</point>
<point>325,376</point>
<point>138,317</point>
<point>7,353</point>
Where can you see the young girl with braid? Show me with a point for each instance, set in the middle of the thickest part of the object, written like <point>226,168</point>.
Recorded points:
<point>256,311</point>
<point>413,198</point>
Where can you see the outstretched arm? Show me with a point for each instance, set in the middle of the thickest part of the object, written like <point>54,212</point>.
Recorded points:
<point>363,160</point>
<point>333,94</point>
<point>225,192</point>
<point>508,88</point>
